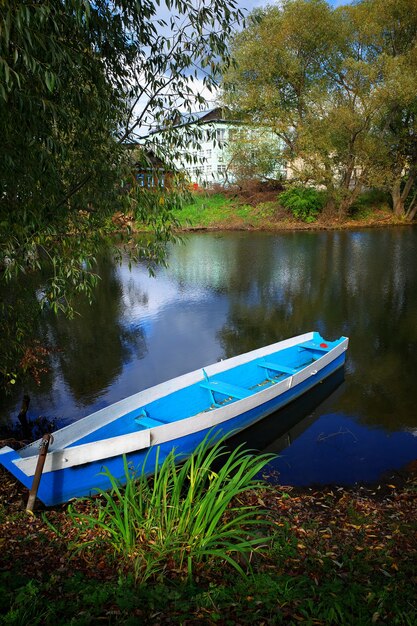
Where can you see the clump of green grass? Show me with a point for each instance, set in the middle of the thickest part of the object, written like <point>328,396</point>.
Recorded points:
<point>205,210</point>
<point>182,516</point>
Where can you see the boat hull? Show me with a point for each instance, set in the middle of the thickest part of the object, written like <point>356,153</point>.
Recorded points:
<point>64,483</point>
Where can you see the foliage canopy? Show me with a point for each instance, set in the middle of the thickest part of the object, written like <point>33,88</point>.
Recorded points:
<point>337,87</point>
<point>78,81</point>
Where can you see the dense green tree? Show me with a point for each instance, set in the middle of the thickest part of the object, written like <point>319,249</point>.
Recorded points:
<point>279,79</point>
<point>338,87</point>
<point>391,28</point>
<point>78,80</point>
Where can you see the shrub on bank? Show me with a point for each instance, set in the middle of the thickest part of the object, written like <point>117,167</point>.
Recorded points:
<point>367,202</point>
<point>305,203</point>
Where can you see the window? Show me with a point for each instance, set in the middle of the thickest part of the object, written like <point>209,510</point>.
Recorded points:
<point>220,135</point>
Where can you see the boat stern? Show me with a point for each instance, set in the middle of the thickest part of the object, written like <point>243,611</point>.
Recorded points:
<point>7,458</point>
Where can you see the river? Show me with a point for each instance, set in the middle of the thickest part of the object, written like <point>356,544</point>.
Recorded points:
<point>226,293</point>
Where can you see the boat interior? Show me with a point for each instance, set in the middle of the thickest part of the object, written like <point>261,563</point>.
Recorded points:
<point>214,391</point>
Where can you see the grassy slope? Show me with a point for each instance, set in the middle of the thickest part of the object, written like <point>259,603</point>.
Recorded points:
<point>216,211</point>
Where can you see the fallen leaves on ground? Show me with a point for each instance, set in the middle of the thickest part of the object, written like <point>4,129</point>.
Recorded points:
<point>319,534</point>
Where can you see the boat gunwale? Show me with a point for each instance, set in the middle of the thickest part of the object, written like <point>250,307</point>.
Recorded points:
<point>192,424</point>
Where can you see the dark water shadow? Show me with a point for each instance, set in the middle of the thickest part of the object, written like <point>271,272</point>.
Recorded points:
<point>278,430</point>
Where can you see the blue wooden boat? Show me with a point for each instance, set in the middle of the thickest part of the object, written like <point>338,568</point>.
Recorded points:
<point>224,397</point>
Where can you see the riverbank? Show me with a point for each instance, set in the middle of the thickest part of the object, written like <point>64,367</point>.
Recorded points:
<point>338,556</point>
<point>262,211</point>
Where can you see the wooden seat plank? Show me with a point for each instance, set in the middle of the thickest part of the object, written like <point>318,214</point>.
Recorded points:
<point>275,367</point>
<point>226,389</point>
<point>148,422</point>
<point>313,347</point>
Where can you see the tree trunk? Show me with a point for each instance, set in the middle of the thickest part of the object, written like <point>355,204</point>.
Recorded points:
<point>409,183</point>
<point>347,177</point>
<point>399,197</point>
<point>329,208</point>
<point>412,208</point>
<point>397,201</point>
<point>349,199</point>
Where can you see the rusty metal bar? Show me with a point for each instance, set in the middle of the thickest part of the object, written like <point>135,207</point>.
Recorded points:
<point>43,451</point>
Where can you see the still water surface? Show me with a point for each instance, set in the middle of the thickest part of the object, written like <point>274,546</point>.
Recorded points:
<point>223,294</point>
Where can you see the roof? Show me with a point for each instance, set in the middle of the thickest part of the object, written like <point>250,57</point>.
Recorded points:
<point>197,117</point>
<point>209,115</point>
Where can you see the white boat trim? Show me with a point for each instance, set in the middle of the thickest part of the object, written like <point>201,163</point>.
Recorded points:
<point>87,452</point>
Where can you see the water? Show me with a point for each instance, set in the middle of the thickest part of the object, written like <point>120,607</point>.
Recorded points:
<point>224,294</point>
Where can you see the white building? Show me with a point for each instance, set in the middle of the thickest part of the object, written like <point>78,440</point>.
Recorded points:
<point>211,162</point>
